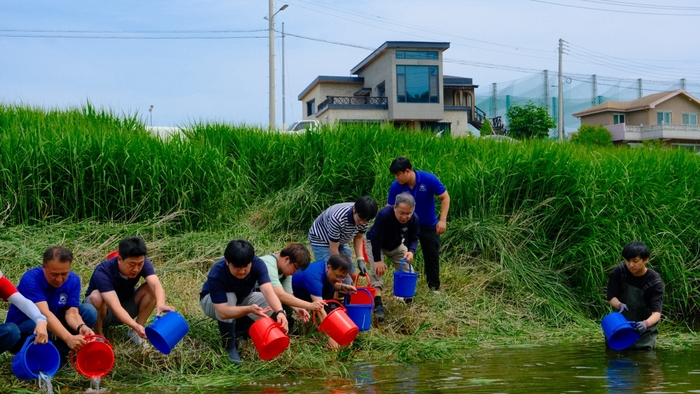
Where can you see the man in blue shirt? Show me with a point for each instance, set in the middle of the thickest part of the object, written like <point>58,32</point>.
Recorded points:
<point>112,290</point>
<point>394,235</point>
<point>227,294</point>
<point>55,290</point>
<point>424,187</point>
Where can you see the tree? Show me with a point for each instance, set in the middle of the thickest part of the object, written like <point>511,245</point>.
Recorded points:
<point>529,121</point>
<point>486,128</point>
<point>592,136</point>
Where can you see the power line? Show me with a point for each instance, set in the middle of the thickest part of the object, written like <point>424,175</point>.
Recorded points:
<point>610,10</point>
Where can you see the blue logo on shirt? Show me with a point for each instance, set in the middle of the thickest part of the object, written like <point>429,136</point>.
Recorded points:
<point>63,299</point>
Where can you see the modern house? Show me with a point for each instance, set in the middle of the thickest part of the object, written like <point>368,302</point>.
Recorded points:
<point>400,82</point>
<point>671,117</point>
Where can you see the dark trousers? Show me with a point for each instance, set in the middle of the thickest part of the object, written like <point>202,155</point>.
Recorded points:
<point>430,247</point>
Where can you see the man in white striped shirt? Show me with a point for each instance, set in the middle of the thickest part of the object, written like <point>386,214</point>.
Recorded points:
<point>338,225</point>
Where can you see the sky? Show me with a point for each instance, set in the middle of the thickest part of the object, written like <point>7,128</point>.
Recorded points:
<point>208,60</point>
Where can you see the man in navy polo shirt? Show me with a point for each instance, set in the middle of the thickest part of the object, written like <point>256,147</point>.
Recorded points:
<point>55,290</point>
<point>394,235</point>
<point>113,292</point>
<point>424,187</point>
<point>227,294</point>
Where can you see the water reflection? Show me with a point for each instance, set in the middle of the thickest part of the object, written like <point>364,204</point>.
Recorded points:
<point>561,369</point>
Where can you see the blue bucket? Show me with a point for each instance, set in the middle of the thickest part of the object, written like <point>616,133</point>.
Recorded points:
<point>405,282</point>
<point>166,331</point>
<point>618,331</point>
<point>360,314</point>
<point>36,358</point>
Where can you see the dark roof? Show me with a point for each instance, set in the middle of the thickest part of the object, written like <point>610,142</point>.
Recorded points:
<point>450,81</point>
<point>441,46</point>
<point>331,79</point>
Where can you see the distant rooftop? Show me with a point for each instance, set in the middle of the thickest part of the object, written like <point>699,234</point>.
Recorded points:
<point>441,46</point>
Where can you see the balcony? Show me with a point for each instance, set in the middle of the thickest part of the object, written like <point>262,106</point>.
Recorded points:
<point>354,102</point>
<point>622,132</point>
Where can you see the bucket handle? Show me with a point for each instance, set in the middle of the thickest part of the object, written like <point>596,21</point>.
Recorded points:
<point>410,266</point>
<point>313,318</point>
<point>371,299</point>
<point>357,279</point>
<point>90,338</point>
<point>28,342</point>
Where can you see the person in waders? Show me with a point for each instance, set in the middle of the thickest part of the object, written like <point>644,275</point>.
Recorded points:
<point>636,291</point>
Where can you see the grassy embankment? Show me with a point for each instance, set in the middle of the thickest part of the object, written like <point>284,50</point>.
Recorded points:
<point>533,230</point>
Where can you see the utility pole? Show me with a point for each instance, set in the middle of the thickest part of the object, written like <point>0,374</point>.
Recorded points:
<point>271,32</point>
<point>284,107</point>
<point>560,126</point>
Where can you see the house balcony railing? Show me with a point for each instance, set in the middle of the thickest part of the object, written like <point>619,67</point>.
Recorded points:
<point>354,101</point>
<point>654,132</point>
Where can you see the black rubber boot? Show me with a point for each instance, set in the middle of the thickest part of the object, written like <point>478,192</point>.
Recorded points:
<point>228,338</point>
<point>379,309</point>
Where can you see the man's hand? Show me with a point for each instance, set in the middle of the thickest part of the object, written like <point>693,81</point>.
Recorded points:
<point>164,308</point>
<point>622,307</point>
<point>441,227</point>
<point>641,326</point>
<point>303,314</point>
<point>85,331</point>
<point>75,342</point>
<point>282,319</point>
<point>42,336</point>
<point>379,268</point>
<point>257,310</point>
<point>362,266</point>
<point>318,305</point>
<point>138,329</point>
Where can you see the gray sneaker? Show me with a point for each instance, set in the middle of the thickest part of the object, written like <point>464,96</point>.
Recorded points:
<point>379,312</point>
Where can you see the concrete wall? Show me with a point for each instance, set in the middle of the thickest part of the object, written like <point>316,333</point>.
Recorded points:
<point>458,120</point>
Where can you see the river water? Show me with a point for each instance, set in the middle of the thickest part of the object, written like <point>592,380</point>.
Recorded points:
<point>560,369</point>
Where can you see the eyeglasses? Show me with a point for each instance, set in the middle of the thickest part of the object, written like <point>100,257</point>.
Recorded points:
<point>295,264</point>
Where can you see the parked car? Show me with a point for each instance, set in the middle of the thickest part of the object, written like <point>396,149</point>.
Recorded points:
<point>303,125</point>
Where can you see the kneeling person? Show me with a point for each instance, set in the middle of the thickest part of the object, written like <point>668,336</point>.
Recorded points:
<point>55,290</point>
<point>394,235</point>
<point>112,290</point>
<point>228,294</point>
<point>281,266</point>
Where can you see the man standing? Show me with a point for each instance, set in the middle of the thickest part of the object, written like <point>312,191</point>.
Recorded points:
<point>424,187</point>
<point>112,290</point>
<point>227,294</point>
<point>55,290</point>
<point>281,266</point>
<point>394,235</point>
<point>338,225</point>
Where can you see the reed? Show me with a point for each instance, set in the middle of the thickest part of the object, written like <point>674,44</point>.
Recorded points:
<point>542,210</point>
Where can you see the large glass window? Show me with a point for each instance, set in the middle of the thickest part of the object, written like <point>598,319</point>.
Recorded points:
<point>310,107</point>
<point>417,84</point>
<point>618,118</point>
<point>663,117</point>
<point>690,119</point>
<point>432,55</point>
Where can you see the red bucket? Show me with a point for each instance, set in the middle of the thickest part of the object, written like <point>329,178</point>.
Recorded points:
<point>268,338</point>
<point>362,297</point>
<point>338,325</point>
<point>95,359</point>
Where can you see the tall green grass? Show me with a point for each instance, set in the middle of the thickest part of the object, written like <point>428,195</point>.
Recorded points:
<point>551,217</point>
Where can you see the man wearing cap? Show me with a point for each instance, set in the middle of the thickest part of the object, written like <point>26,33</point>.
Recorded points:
<point>113,292</point>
